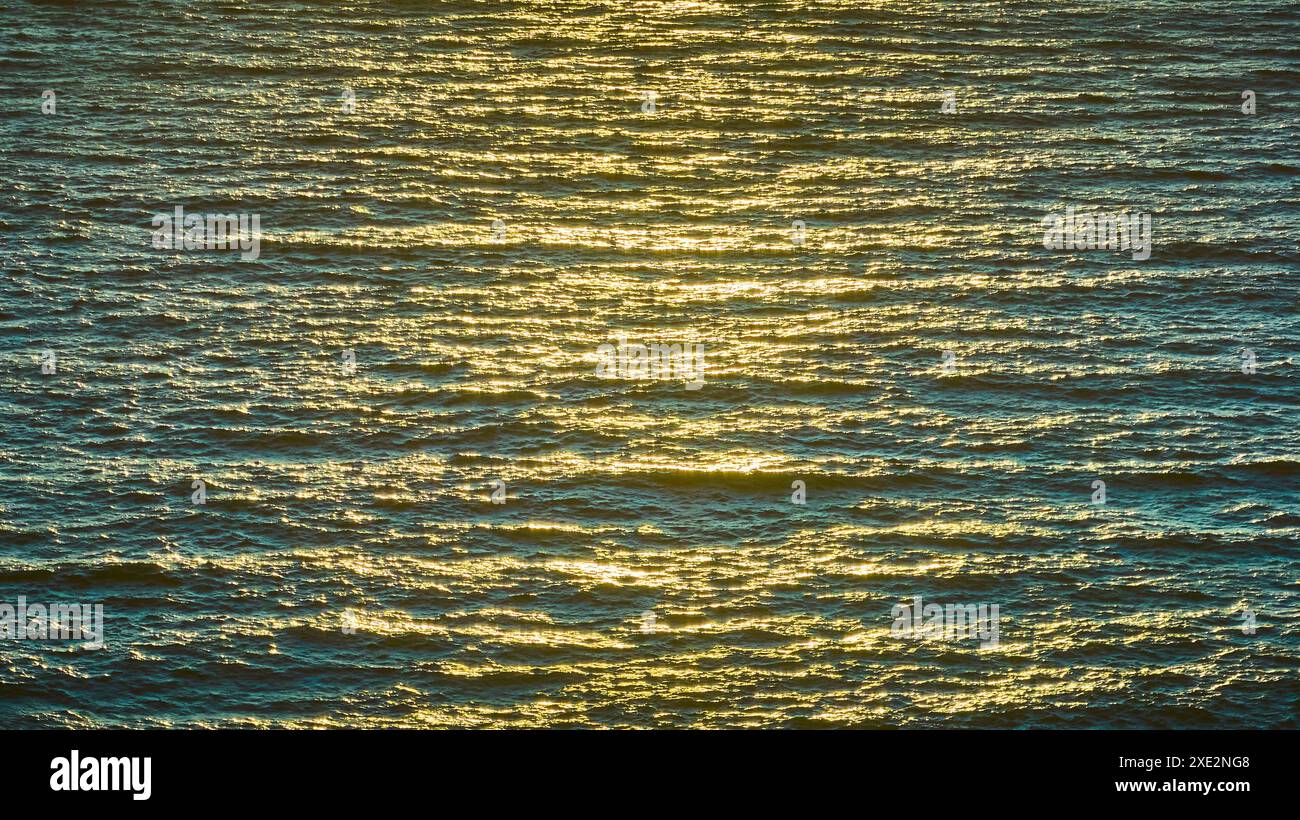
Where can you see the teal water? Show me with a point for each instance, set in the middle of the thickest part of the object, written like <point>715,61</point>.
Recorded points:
<point>363,498</point>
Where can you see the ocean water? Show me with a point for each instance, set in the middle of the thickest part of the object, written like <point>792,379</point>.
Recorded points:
<point>649,566</point>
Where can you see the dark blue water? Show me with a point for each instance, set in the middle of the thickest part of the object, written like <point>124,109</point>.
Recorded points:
<point>648,566</point>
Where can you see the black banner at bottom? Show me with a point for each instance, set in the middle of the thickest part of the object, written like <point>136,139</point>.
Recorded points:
<point>146,770</point>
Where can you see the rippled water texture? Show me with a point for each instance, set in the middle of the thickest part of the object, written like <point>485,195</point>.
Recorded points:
<point>476,353</point>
